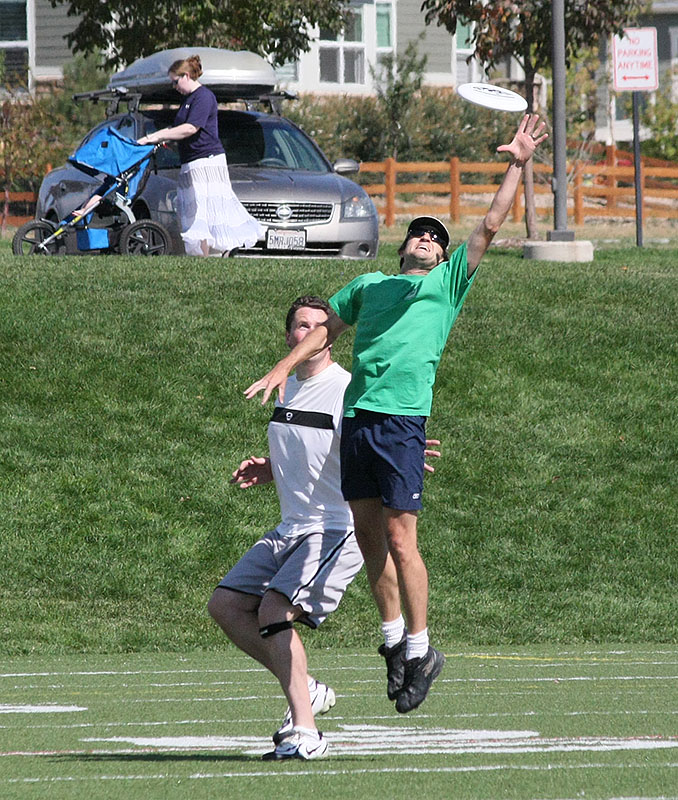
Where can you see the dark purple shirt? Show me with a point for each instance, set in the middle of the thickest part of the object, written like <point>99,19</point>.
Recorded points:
<point>200,109</point>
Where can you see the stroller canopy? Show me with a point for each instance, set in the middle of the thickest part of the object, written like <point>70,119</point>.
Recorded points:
<point>111,153</point>
<point>116,156</point>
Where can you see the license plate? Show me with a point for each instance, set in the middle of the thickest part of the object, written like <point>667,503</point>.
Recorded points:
<point>285,240</point>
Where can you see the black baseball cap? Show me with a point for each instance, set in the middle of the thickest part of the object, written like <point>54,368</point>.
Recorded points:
<point>430,223</point>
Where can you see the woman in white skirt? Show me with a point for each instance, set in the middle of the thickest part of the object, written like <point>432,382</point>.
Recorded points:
<point>211,216</point>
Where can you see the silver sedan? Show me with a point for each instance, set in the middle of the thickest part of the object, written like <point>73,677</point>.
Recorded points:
<point>308,205</point>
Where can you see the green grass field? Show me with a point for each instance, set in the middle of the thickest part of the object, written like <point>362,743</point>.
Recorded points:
<point>551,517</point>
<point>548,529</point>
<point>528,723</point>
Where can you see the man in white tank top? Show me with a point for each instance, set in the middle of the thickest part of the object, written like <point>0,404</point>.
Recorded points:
<point>299,571</point>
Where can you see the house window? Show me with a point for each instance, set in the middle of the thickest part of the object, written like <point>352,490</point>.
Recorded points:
<point>385,26</point>
<point>465,72</point>
<point>288,72</point>
<point>384,16</point>
<point>342,56</point>
<point>673,77</point>
<point>13,42</point>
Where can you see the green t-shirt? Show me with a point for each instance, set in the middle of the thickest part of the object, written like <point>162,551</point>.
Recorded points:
<point>402,324</point>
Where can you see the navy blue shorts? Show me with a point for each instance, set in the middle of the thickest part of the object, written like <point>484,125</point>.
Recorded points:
<point>382,455</point>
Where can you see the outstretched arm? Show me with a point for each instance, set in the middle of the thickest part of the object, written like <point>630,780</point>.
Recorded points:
<point>173,134</point>
<point>315,341</point>
<point>529,135</point>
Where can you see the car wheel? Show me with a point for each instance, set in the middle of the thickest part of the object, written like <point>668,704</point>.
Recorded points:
<point>29,240</point>
<point>145,238</point>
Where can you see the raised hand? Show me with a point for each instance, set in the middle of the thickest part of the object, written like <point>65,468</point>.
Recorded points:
<point>529,136</point>
<point>275,379</point>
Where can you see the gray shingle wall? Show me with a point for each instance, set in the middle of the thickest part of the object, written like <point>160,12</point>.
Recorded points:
<point>51,25</point>
<point>437,44</point>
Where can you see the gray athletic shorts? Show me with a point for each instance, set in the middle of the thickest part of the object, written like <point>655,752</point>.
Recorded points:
<point>311,570</point>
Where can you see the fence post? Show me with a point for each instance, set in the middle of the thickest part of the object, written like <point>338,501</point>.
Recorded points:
<point>5,211</point>
<point>455,190</point>
<point>517,207</point>
<point>390,181</point>
<point>611,161</point>
<point>578,194</point>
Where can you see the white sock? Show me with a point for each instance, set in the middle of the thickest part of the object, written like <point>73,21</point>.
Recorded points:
<point>417,644</point>
<point>393,631</point>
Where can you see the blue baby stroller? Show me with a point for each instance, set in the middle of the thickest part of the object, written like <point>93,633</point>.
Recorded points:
<point>123,165</point>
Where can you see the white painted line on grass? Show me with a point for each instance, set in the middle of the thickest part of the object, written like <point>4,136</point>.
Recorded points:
<point>278,771</point>
<point>41,709</point>
<point>357,740</point>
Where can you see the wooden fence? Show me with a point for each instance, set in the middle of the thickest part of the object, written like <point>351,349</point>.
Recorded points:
<point>602,189</point>
<point>12,199</point>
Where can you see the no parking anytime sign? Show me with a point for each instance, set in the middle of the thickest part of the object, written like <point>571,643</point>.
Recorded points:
<point>635,60</point>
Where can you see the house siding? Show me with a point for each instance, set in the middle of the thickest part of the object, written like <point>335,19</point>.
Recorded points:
<point>437,43</point>
<point>51,26</point>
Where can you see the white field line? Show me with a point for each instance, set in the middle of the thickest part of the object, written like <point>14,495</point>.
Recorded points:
<point>279,772</point>
<point>361,740</point>
<point>379,670</point>
<point>588,658</point>
<point>240,721</point>
<point>92,673</point>
<point>358,740</point>
<point>269,680</point>
<point>45,708</point>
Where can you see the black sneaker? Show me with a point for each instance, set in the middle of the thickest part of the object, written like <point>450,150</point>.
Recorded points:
<point>395,667</point>
<point>419,675</point>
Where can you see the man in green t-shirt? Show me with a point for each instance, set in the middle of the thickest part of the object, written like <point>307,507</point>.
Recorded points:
<point>402,324</point>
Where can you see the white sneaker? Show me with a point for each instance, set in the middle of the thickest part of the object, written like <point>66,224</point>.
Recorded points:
<point>322,700</point>
<point>298,744</point>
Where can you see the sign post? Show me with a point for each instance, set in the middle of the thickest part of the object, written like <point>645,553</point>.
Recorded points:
<point>636,69</point>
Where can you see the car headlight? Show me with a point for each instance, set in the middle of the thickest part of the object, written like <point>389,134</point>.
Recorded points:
<point>359,206</point>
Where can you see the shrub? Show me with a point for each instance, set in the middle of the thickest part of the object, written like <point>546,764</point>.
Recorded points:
<point>42,129</point>
<point>440,126</point>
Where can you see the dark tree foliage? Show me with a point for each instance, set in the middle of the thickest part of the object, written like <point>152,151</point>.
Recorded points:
<point>500,29</point>
<point>505,28</point>
<point>125,30</point>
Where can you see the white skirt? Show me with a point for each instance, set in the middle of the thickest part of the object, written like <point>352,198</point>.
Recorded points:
<point>209,210</point>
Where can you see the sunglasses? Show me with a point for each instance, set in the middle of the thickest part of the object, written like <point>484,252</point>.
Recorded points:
<point>176,80</point>
<point>417,233</point>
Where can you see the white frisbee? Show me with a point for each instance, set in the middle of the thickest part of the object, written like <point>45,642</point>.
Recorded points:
<point>490,96</point>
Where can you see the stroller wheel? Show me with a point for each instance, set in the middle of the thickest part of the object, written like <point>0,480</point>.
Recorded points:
<point>145,238</point>
<point>29,240</point>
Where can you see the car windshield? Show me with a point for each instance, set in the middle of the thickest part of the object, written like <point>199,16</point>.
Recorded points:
<point>252,141</point>
<point>266,142</point>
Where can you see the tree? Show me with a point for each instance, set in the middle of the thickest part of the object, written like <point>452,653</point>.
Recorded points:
<point>521,29</point>
<point>125,31</point>
<point>398,83</point>
<point>37,130</point>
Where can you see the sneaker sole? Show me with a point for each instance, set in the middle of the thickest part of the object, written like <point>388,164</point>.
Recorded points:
<point>275,756</point>
<point>437,669</point>
<point>330,702</point>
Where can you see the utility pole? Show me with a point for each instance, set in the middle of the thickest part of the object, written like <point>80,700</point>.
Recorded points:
<point>560,232</point>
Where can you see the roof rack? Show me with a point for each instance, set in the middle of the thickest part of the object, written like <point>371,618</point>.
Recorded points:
<point>113,97</point>
<point>273,100</point>
<point>120,94</point>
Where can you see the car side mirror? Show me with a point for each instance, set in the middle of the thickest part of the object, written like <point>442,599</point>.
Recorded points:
<point>345,166</point>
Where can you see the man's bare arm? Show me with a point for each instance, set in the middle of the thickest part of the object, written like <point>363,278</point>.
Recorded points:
<point>529,135</point>
<point>318,339</point>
